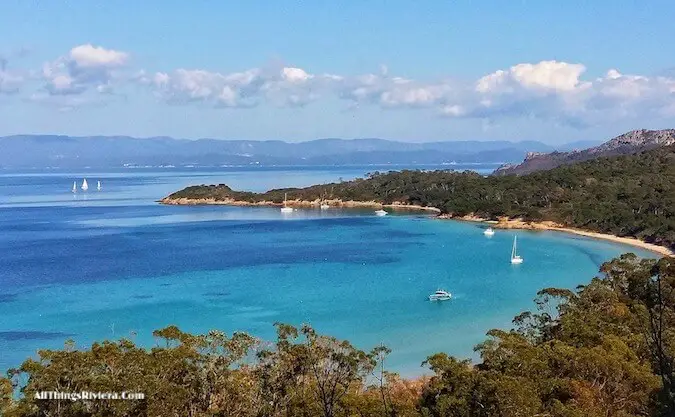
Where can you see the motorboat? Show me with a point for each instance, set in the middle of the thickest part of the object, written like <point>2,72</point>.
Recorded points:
<point>381,213</point>
<point>489,232</point>
<point>440,295</point>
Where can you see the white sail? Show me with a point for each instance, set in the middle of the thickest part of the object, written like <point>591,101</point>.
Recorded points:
<point>515,258</point>
<point>85,186</point>
<point>74,186</point>
<point>98,186</point>
<point>285,208</point>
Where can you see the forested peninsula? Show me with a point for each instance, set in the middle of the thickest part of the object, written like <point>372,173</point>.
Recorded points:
<point>626,196</point>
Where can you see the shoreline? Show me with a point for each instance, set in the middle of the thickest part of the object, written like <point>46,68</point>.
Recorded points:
<point>502,223</point>
<point>295,203</point>
<point>519,224</point>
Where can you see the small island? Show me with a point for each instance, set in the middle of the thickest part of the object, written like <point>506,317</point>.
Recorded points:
<point>630,198</point>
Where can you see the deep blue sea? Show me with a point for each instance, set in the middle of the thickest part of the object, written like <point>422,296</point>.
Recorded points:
<point>114,263</point>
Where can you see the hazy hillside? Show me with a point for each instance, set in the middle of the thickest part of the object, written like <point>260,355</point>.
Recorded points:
<point>31,151</point>
<point>626,144</point>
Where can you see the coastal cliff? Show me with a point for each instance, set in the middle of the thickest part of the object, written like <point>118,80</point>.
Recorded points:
<point>627,144</point>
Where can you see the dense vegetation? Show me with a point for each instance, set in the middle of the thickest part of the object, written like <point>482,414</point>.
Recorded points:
<point>607,349</point>
<point>626,196</point>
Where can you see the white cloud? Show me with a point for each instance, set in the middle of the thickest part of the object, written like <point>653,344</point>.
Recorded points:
<point>555,91</point>
<point>220,90</point>
<point>411,96</point>
<point>84,67</point>
<point>294,75</point>
<point>548,90</point>
<point>454,111</point>
<point>552,75</point>
<point>393,92</point>
<point>89,56</point>
<point>10,82</point>
<point>287,86</point>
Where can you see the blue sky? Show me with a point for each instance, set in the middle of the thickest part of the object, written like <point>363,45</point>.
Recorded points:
<point>414,71</point>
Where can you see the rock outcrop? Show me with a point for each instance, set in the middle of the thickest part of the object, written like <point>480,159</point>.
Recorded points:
<point>626,144</point>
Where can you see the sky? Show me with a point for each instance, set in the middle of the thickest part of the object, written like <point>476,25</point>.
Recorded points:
<point>300,70</point>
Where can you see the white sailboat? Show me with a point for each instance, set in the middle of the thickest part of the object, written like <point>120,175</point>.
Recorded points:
<point>515,258</point>
<point>74,186</point>
<point>98,186</point>
<point>285,208</point>
<point>489,232</point>
<point>85,186</point>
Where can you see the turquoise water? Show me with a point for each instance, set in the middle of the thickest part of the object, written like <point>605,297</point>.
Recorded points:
<point>115,264</point>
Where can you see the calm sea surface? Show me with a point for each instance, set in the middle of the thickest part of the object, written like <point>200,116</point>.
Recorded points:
<point>113,263</point>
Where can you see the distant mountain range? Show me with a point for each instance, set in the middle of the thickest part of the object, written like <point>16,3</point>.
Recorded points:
<point>41,151</point>
<point>629,143</point>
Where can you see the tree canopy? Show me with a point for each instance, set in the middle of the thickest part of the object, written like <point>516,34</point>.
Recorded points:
<point>631,195</point>
<point>605,349</point>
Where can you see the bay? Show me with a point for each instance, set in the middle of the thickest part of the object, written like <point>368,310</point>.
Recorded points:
<point>114,263</point>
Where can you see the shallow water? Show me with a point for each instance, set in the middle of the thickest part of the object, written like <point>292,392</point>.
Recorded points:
<point>116,264</point>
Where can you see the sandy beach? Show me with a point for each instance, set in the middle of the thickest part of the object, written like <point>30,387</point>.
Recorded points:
<point>504,223</point>
<point>297,204</point>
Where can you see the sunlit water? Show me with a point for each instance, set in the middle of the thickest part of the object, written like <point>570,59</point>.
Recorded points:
<point>114,263</point>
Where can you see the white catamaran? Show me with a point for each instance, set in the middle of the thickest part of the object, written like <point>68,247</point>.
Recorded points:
<point>85,186</point>
<point>285,208</point>
<point>515,258</point>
